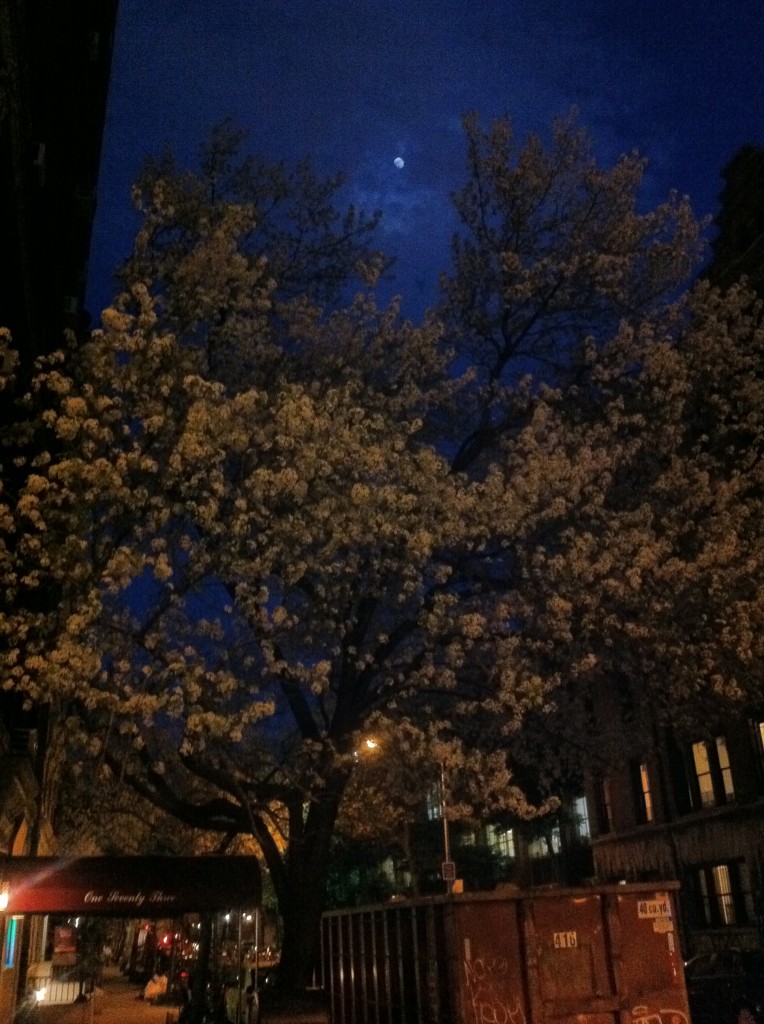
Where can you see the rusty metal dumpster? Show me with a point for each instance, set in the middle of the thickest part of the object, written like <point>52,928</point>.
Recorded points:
<point>595,955</point>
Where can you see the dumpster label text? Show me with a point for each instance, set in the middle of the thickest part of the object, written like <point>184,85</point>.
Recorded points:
<point>654,908</point>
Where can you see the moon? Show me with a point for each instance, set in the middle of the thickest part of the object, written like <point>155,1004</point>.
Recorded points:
<point>399,162</point>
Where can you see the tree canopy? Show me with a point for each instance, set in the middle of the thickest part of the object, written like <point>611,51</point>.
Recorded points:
<point>281,518</point>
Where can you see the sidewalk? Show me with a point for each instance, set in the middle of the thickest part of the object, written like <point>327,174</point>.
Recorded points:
<point>116,1002</point>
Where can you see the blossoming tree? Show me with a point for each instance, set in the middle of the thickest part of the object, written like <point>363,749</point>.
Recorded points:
<point>291,518</point>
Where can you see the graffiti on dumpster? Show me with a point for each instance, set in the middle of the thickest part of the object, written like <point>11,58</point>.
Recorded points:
<point>486,991</point>
<point>642,1015</point>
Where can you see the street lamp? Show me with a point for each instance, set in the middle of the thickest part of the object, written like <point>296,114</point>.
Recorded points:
<point>448,867</point>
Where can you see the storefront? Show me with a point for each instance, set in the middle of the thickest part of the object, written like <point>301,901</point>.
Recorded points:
<point>132,887</point>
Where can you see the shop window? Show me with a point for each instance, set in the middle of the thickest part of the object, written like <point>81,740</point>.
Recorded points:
<point>11,941</point>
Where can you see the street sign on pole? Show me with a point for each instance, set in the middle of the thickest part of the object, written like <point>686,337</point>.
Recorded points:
<point>448,870</point>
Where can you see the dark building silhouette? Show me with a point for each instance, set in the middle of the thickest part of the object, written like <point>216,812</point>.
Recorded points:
<point>691,806</point>
<point>55,60</point>
<point>738,248</point>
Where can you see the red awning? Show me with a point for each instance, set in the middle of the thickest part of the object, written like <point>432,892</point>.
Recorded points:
<point>129,886</point>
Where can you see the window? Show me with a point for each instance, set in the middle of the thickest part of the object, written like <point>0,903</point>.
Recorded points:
<point>434,804</point>
<point>645,794</point>
<point>723,889</point>
<point>501,840</point>
<point>757,729</point>
<point>725,894</point>
<point>604,805</point>
<point>11,940</point>
<point>581,818</point>
<point>724,765</point>
<point>546,845</point>
<point>703,774</point>
<point>746,892</point>
<point>713,774</point>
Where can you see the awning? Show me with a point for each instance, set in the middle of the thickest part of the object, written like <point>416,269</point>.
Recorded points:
<point>150,887</point>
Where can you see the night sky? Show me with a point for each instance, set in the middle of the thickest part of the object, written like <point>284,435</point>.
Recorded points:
<point>358,83</point>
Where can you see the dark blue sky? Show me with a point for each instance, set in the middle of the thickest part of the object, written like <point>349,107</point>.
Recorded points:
<point>358,83</point>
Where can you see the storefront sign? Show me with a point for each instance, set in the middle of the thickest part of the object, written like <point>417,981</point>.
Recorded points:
<point>130,886</point>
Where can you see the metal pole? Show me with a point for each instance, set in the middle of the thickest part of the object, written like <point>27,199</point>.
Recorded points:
<point>446,843</point>
<point>255,979</point>
<point>238,973</point>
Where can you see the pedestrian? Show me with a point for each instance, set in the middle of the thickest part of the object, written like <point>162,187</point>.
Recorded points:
<point>252,1005</point>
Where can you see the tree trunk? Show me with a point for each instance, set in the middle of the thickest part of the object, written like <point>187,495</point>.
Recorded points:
<point>409,852</point>
<point>301,923</point>
<point>303,901</point>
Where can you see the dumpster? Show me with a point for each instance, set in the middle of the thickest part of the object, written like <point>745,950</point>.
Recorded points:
<point>592,955</point>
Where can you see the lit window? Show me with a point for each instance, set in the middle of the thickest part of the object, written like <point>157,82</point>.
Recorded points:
<point>725,894</point>
<point>545,846</point>
<point>724,765</point>
<point>703,774</point>
<point>581,812</point>
<point>434,805</point>
<point>713,772</point>
<point>647,797</point>
<point>723,887</point>
<point>502,840</point>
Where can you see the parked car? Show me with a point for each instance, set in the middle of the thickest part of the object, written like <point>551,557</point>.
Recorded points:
<point>726,987</point>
